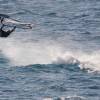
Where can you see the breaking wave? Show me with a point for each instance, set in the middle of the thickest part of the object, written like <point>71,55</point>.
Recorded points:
<point>66,98</point>
<point>22,53</point>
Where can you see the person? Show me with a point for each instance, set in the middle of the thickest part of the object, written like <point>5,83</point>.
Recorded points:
<point>5,33</point>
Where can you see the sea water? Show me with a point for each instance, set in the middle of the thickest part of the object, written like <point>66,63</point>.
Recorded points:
<point>59,59</point>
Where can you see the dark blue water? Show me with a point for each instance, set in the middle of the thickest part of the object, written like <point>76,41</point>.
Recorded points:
<point>58,58</point>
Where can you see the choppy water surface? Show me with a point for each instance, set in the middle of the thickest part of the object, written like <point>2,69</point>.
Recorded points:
<point>58,58</point>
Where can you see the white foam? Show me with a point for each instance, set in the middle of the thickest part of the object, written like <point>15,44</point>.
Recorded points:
<point>26,53</point>
<point>66,98</point>
<point>22,53</point>
<point>85,60</point>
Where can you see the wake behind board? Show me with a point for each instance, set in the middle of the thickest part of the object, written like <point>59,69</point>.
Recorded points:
<point>7,21</point>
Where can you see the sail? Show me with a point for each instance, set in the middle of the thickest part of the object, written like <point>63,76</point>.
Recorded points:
<point>7,21</point>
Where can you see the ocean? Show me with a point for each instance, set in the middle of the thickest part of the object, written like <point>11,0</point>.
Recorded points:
<point>59,59</point>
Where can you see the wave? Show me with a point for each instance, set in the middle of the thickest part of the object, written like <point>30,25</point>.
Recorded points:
<point>27,53</point>
<point>66,98</point>
<point>89,61</point>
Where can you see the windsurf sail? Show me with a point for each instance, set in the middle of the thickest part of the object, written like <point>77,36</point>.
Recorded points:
<point>7,21</point>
